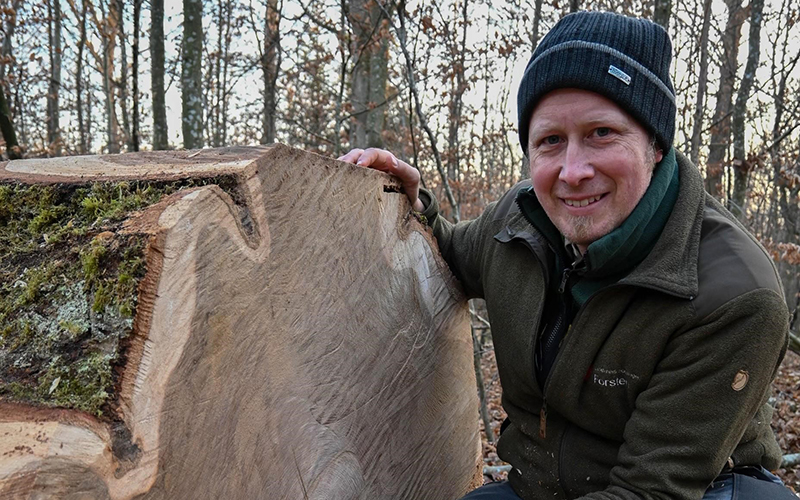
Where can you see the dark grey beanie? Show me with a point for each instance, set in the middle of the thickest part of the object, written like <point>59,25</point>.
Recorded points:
<point>625,59</point>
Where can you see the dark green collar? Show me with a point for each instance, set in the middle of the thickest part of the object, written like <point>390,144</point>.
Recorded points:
<point>614,255</point>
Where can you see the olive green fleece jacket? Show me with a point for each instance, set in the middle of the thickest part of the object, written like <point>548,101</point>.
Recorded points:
<point>664,376</point>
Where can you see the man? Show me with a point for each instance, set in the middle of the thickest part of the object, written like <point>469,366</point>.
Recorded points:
<point>637,325</point>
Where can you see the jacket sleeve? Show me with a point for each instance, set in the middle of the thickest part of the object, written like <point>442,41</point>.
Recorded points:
<point>712,379</point>
<point>462,245</point>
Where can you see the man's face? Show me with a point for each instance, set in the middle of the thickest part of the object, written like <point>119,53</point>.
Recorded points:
<point>591,163</point>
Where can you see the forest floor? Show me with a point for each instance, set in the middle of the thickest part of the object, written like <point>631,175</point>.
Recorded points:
<point>785,420</point>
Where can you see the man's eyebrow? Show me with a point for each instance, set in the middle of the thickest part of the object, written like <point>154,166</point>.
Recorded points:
<point>604,120</point>
<point>543,125</point>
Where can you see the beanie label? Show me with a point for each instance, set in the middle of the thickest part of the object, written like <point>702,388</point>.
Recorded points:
<point>619,74</point>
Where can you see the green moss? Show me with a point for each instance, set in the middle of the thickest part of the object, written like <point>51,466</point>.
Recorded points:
<point>68,287</point>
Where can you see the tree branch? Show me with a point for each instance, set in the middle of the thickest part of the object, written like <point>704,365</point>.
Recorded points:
<point>423,120</point>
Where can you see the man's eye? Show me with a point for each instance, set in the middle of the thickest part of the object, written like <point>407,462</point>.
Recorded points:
<point>602,131</point>
<point>552,140</point>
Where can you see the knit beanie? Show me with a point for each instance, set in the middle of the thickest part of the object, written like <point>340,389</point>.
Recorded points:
<point>624,59</point>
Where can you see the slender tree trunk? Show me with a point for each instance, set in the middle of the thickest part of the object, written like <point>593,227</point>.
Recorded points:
<point>574,5</point>
<point>270,67</point>
<point>368,89</point>
<point>721,123</point>
<point>215,69</point>
<point>6,51</point>
<point>82,149</point>
<point>54,87</point>
<point>741,166</point>
<point>456,104</point>
<point>19,104</point>
<point>123,75</point>
<point>7,56</point>
<point>89,120</point>
<point>192,74</point>
<point>137,11</point>
<point>378,76</point>
<point>662,10</point>
<point>160,138</point>
<point>359,87</point>
<point>7,128</point>
<point>697,126</point>
<point>484,410</point>
<point>537,19</point>
<point>223,84</point>
<point>109,26</point>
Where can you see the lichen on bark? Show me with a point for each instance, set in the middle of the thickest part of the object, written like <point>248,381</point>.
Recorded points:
<point>68,287</point>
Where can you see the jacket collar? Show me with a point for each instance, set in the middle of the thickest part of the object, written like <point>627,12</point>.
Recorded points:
<point>672,264</point>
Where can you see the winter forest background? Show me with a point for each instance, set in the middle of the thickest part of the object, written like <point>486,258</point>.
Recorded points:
<point>434,82</point>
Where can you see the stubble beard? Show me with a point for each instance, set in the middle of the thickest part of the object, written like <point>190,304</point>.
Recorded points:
<point>581,228</point>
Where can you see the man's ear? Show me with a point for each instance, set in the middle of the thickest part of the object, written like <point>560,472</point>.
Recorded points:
<point>659,155</point>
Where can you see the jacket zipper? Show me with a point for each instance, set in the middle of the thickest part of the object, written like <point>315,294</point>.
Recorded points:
<point>561,288</point>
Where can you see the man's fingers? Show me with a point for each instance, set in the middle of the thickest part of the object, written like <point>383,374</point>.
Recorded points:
<point>351,156</point>
<point>379,159</point>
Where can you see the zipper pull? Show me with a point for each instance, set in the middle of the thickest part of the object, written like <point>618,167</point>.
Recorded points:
<point>543,420</point>
<point>564,278</point>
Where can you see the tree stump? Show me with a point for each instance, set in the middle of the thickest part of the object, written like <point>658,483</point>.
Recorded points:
<point>227,323</point>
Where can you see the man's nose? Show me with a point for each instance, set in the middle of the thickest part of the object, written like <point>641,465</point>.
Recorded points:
<point>577,166</point>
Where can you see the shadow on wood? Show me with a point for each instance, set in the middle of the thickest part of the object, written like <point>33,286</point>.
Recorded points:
<point>308,342</point>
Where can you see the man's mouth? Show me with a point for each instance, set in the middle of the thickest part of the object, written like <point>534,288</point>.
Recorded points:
<point>582,203</point>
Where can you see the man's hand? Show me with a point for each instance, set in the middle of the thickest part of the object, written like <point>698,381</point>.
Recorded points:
<point>383,160</point>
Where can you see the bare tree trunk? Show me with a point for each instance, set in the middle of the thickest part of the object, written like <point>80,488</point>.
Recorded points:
<point>370,72</point>
<point>740,162</point>
<point>270,67</point>
<point>89,119</point>
<point>82,149</point>
<point>137,11</point>
<point>697,126</point>
<point>224,82</point>
<point>7,59</point>
<point>108,31</point>
<point>537,18</point>
<point>7,128</point>
<point>720,128</point>
<point>574,5</point>
<point>54,87</point>
<point>123,76</point>
<point>160,137</point>
<point>6,51</point>
<point>378,76</point>
<point>215,83</point>
<point>478,354</point>
<point>19,103</point>
<point>457,89</point>
<point>662,10</point>
<point>359,85</point>
<point>192,75</point>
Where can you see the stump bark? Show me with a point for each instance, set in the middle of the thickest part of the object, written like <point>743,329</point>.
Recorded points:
<point>292,334</point>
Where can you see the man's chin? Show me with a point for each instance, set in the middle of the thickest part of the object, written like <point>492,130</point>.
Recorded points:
<point>579,230</point>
